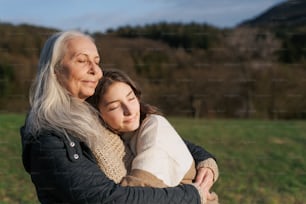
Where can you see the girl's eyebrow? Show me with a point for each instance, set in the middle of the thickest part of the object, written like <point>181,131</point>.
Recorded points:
<point>131,92</point>
<point>110,102</point>
<point>114,101</point>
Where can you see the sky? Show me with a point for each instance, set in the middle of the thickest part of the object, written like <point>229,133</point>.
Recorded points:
<point>100,15</point>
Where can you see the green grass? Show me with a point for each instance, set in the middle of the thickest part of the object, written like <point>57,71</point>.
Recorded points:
<point>259,161</point>
<point>15,183</point>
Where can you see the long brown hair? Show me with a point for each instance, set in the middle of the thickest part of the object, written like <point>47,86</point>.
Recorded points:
<point>111,76</point>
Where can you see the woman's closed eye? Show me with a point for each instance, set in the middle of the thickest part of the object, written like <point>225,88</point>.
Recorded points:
<point>97,62</point>
<point>86,61</point>
<point>82,60</point>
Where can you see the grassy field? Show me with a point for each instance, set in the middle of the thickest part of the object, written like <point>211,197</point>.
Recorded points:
<point>259,161</point>
<point>15,183</point>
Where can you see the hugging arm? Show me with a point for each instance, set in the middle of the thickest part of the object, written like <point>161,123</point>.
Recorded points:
<point>203,159</point>
<point>207,170</point>
<point>60,178</point>
<point>199,154</point>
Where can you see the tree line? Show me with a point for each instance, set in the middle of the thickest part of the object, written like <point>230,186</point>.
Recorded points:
<point>192,69</point>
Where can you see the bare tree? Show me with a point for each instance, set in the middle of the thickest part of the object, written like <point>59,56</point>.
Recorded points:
<point>254,50</point>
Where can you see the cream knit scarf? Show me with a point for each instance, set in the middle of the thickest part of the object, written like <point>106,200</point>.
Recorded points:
<point>113,156</point>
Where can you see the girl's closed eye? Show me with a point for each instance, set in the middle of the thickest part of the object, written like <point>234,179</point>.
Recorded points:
<point>112,107</point>
<point>132,98</point>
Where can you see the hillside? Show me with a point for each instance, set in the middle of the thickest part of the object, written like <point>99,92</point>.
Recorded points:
<point>289,13</point>
<point>190,70</point>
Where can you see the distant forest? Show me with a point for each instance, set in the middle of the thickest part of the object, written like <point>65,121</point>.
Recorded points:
<point>193,69</point>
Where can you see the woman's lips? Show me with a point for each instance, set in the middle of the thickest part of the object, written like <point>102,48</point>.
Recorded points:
<point>90,83</point>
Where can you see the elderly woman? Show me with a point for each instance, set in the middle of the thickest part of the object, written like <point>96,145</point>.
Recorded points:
<point>61,133</point>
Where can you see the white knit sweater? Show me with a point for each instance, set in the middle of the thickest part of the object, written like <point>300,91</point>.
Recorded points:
<point>159,150</point>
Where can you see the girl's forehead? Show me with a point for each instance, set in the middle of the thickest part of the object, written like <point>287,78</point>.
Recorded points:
<point>116,90</point>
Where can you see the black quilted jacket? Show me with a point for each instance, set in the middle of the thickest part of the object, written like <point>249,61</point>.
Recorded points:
<point>65,171</point>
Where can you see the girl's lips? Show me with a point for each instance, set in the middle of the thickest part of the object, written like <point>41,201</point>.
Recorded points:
<point>132,123</point>
<point>130,119</point>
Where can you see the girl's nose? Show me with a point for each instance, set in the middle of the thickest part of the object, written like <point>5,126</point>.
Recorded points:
<point>126,109</point>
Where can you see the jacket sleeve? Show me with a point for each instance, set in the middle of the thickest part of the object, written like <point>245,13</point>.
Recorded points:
<point>203,158</point>
<point>199,154</point>
<point>63,175</point>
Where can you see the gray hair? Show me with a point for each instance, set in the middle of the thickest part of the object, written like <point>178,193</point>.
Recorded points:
<point>52,107</point>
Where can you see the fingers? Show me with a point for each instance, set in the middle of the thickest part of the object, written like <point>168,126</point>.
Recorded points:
<point>205,177</point>
<point>200,176</point>
<point>205,180</point>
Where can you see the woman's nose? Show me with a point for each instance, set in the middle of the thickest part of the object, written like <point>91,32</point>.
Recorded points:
<point>95,68</point>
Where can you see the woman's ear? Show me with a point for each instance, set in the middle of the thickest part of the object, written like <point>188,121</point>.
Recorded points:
<point>58,73</point>
<point>57,68</point>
